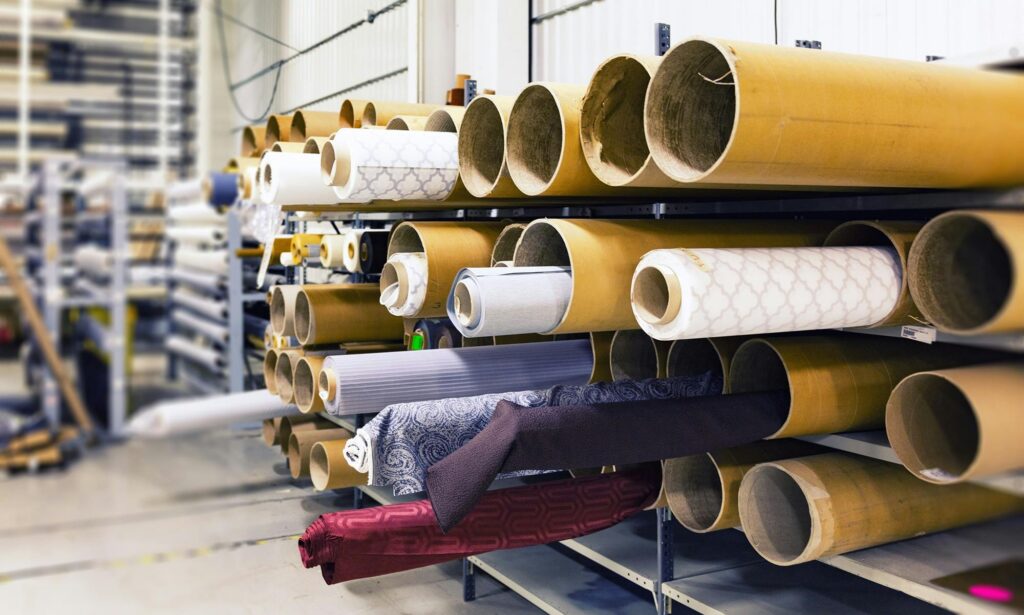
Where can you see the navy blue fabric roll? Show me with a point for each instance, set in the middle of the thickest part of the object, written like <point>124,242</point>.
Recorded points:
<point>373,251</point>
<point>438,333</point>
<point>223,188</point>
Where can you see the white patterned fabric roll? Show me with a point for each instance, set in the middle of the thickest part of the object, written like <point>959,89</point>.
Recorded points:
<point>397,164</point>
<point>487,301</point>
<point>691,293</point>
<point>405,295</point>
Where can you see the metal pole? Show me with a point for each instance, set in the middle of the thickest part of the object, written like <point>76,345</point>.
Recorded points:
<point>24,103</point>
<point>163,89</point>
<point>236,337</point>
<point>116,337</point>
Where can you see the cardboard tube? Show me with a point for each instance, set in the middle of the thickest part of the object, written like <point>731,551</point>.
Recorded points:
<point>270,369</point>
<point>699,356</point>
<point>505,245</point>
<point>329,313</point>
<point>306,124</point>
<point>889,234</point>
<point>952,425</point>
<point>407,122</point>
<point>270,431</point>
<point>332,250</point>
<point>803,509</point>
<point>350,115</point>
<point>702,491</point>
<point>301,442</point>
<point>313,145</point>
<point>301,244</point>
<point>328,468</point>
<point>445,119</point>
<point>449,246</point>
<point>635,356</point>
<point>288,147</point>
<point>380,112</point>
<point>965,271</point>
<point>284,371</point>
<point>543,148</point>
<point>603,253</point>
<point>304,383</point>
<point>282,309</point>
<point>837,382</point>
<point>483,166</point>
<point>253,139</point>
<point>300,422</point>
<point>279,128</point>
<point>729,112</point>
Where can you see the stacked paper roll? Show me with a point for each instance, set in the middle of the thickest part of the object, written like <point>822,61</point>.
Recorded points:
<point>293,178</point>
<point>380,112</point>
<point>332,250</point>
<point>483,165</point>
<point>330,313</point>
<point>207,235</point>
<point>508,300</point>
<point>213,308</point>
<point>350,250</point>
<point>215,261</point>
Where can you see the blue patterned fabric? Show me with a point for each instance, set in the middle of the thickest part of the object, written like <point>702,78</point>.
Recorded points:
<point>400,443</point>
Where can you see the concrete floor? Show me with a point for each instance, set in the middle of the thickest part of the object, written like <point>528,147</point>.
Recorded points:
<point>204,524</point>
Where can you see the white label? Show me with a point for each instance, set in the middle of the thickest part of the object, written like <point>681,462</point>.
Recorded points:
<point>919,334</point>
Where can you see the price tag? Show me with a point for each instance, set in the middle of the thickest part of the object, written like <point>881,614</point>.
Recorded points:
<point>918,334</point>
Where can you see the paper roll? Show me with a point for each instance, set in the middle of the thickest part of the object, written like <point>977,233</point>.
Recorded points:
<point>403,283</point>
<point>373,250</point>
<point>206,356</point>
<point>445,119</point>
<point>306,124</point>
<point>313,144</point>
<point>269,431</point>
<point>220,188</point>
<point>169,418</point>
<point>434,333</point>
<point>211,330</point>
<point>328,468</point>
<point>293,179</point>
<point>279,128</point>
<point>282,309</point>
<point>837,382</point>
<point>964,271</point>
<point>214,261</point>
<point>329,313</point>
<point>508,300</point>
<point>730,112</point>
<point>214,308</point>
<point>350,251</point>
<point>483,165</point>
<point>699,356</point>
<point>505,245</point>
<point>296,423</point>
<point>305,245</point>
<point>380,112</point>
<point>270,370</point>
<point>953,425</point>
<point>253,139</point>
<point>287,147</point>
<point>332,251</point>
<point>356,384</point>
<point>603,254</point>
<point>350,114</point>
<point>798,510</point>
<point>693,293</point>
<point>203,235</point>
<point>195,214</point>
<point>407,122</point>
<point>301,443</point>
<point>284,371</point>
<point>635,356</point>
<point>304,383</point>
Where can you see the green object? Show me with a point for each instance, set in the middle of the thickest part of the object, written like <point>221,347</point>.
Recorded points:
<point>416,342</point>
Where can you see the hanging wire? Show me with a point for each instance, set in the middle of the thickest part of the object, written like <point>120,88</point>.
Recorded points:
<point>227,73</point>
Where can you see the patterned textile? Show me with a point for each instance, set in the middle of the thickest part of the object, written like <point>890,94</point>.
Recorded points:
<point>367,542</point>
<point>415,266</point>
<point>399,164</point>
<point>401,442</point>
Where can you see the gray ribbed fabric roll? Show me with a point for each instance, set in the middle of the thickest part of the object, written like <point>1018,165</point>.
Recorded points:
<point>371,382</point>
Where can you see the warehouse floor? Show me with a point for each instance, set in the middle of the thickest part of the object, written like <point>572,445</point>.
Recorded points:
<point>199,524</point>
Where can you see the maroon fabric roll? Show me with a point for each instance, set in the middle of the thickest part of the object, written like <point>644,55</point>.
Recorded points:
<point>594,435</point>
<point>355,544</point>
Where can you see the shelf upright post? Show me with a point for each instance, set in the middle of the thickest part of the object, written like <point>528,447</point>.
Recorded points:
<point>666,557</point>
<point>118,297</point>
<point>236,308</point>
<point>52,294</point>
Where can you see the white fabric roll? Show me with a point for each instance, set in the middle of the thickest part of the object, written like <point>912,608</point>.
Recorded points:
<point>185,189</point>
<point>212,282</point>
<point>397,164</point>
<point>488,301</point>
<point>333,250</point>
<point>200,414</point>
<point>293,179</point>
<point>214,308</point>
<point>350,255</point>
<point>196,213</point>
<point>198,324</point>
<point>406,295</point>
<point>751,291</point>
<point>371,382</point>
<point>92,259</point>
<point>206,235</point>
<point>208,357</point>
<point>215,261</point>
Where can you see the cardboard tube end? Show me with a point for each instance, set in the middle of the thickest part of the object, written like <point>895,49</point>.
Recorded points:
<point>465,307</point>
<point>304,384</point>
<point>294,456</point>
<point>656,295</point>
<point>757,366</point>
<point>612,120</point>
<point>535,139</point>
<point>695,492</point>
<point>775,515</point>
<point>269,432</point>
<point>304,318</point>
<point>633,356</point>
<point>328,384</point>
<point>370,115</point>
<point>481,147</point>
<point>319,466</point>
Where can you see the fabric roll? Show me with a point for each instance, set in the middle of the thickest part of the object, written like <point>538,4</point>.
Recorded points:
<point>692,293</point>
<point>357,384</point>
<point>373,250</point>
<point>205,235</point>
<point>509,300</point>
<point>206,356</point>
<point>404,283</point>
<point>395,165</point>
<point>332,250</point>
<point>293,179</point>
<point>595,435</point>
<point>221,188</point>
<point>350,251</point>
<point>400,443</point>
<point>434,333</point>
<point>199,414</point>
<point>211,330</point>
<point>368,542</point>
<point>195,213</point>
<point>215,261</point>
<point>214,308</point>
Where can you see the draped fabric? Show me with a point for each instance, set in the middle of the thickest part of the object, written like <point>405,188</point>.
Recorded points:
<point>354,544</point>
<point>401,442</point>
<point>591,435</point>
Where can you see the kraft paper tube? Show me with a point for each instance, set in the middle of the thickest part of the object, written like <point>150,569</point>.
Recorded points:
<point>485,302</point>
<point>729,112</point>
<point>301,442</point>
<point>603,254</point>
<point>505,245</point>
<point>169,418</point>
<point>293,179</point>
<point>304,383</point>
<point>964,271</point>
<point>329,313</point>
<point>302,244</point>
<point>350,250</point>
<point>350,115</point>
<point>253,139</point>
<point>243,163</point>
<point>702,491</point>
<point>329,469</point>
<point>270,369</point>
<point>270,431</point>
<point>449,247</point>
<point>799,510</point>
<point>284,370</point>
<point>279,128</point>
<point>695,357</point>
<point>445,119</point>
<point>543,148</point>
<point>297,423</point>
<point>889,234</point>
<point>687,293</point>
<point>407,122</point>
<point>332,250</point>
<point>952,425</point>
<point>282,309</point>
<point>837,382</point>
<point>635,356</point>
<point>483,166</point>
<point>288,147</point>
<point>380,112</point>
<point>306,124</point>
<point>313,145</point>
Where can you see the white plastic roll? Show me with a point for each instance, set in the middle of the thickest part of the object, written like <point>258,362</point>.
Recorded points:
<point>396,164</point>
<point>214,261</point>
<point>332,250</point>
<point>200,414</point>
<point>200,325</point>
<point>206,235</point>
<point>361,383</point>
<point>212,282</point>
<point>685,294</point>
<point>405,276</point>
<point>196,213</point>
<point>492,301</point>
<point>350,255</point>
<point>293,179</point>
<point>208,357</point>
<point>214,308</point>
<point>92,259</point>
<point>185,189</point>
